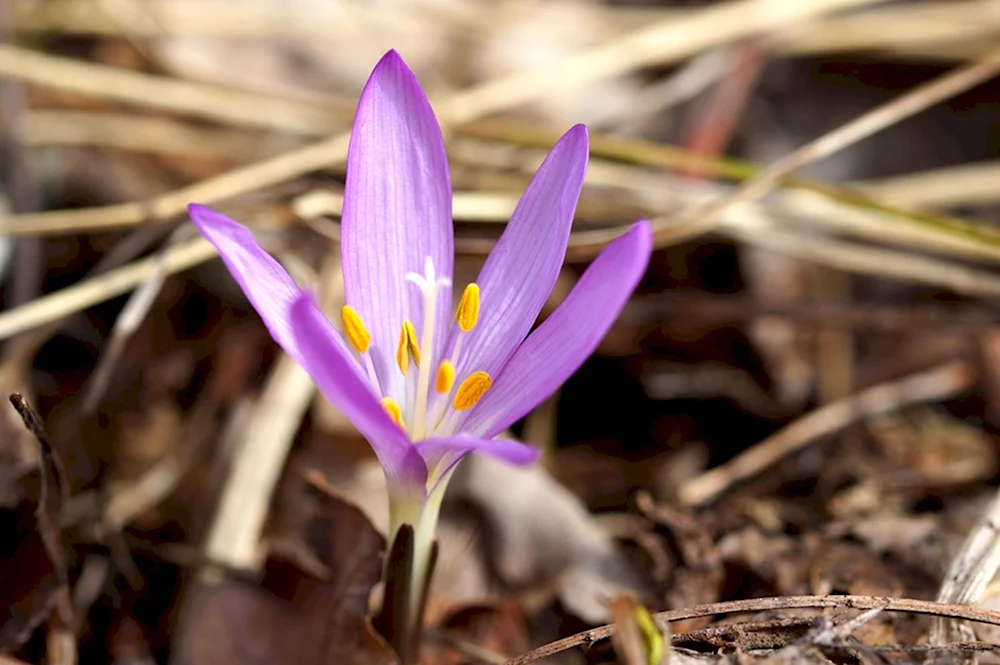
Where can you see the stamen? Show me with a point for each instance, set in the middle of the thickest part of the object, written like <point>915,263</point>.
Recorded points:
<point>411,340</point>
<point>355,329</point>
<point>408,348</point>
<point>402,355</point>
<point>390,406</point>
<point>468,308</point>
<point>445,378</point>
<point>472,390</point>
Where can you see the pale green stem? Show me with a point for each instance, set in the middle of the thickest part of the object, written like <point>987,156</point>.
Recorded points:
<point>423,540</point>
<point>403,509</point>
<point>423,516</point>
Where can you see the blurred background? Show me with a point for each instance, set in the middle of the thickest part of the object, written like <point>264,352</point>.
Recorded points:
<point>801,398</point>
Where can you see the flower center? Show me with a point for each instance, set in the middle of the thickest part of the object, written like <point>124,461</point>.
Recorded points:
<point>424,405</point>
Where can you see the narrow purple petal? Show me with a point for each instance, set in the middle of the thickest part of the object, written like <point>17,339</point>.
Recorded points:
<point>268,287</point>
<point>442,454</point>
<point>564,340</point>
<point>334,375</point>
<point>397,210</point>
<point>523,266</point>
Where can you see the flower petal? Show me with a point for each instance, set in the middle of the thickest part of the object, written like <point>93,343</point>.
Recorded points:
<point>397,211</point>
<point>268,287</point>
<point>442,454</point>
<point>523,266</point>
<point>564,340</point>
<point>337,379</point>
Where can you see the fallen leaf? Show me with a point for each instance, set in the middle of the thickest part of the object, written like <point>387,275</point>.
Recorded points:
<point>504,527</point>
<point>292,616</point>
<point>540,532</point>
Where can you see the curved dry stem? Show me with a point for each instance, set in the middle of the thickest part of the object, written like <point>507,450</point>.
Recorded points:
<point>926,607</point>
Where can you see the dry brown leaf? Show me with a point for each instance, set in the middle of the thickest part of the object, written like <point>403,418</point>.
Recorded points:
<point>524,531</point>
<point>291,616</point>
<point>541,534</point>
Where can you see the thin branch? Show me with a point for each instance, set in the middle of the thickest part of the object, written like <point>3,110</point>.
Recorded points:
<point>667,41</point>
<point>202,100</point>
<point>934,384</point>
<point>883,116</point>
<point>102,287</point>
<point>914,606</point>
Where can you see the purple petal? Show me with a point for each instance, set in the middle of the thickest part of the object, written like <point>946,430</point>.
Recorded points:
<point>564,340</point>
<point>523,266</point>
<point>334,375</point>
<point>397,210</point>
<point>268,287</point>
<point>442,454</point>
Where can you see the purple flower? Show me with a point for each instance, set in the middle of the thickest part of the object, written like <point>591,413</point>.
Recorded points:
<point>424,385</point>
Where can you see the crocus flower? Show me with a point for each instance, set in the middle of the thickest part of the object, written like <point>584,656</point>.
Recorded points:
<point>426,386</point>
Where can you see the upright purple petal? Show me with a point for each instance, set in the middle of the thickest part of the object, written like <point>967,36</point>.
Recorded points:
<point>564,340</point>
<point>397,209</point>
<point>331,371</point>
<point>268,287</point>
<point>522,268</point>
<point>442,454</point>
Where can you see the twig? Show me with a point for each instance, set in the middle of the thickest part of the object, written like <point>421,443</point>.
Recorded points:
<point>231,183</point>
<point>128,321</point>
<point>930,385</point>
<point>97,289</point>
<point>916,29</point>
<point>836,632</point>
<point>880,316</point>
<point>663,42</point>
<point>753,228</point>
<point>715,118</point>
<point>958,185</point>
<point>926,607</point>
<point>127,131</point>
<point>613,157</point>
<point>201,100</point>
<point>50,464</point>
<point>950,29</point>
<point>945,236</point>
<point>234,538</point>
<point>316,21</point>
<point>742,223</point>
<point>667,41</point>
<point>885,115</point>
<point>60,641</point>
<point>756,224</point>
<point>690,79</point>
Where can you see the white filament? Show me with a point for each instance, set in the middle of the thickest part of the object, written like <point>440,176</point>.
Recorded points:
<point>429,286</point>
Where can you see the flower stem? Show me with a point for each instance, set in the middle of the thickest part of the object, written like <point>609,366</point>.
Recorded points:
<point>409,567</point>
<point>423,543</point>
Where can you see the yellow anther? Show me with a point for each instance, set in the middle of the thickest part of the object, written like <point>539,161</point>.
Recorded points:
<point>445,377</point>
<point>411,340</point>
<point>355,329</point>
<point>408,347</point>
<point>468,308</point>
<point>472,390</point>
<point>402,356</point>
<point>390,406</point>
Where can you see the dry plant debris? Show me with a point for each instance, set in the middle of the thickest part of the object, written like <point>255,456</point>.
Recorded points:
<point>785,450</point>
